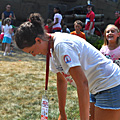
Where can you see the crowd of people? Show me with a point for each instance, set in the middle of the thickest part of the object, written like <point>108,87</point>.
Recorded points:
<point>7,30</point>
<point>57,24</point>
<point>96,77</point>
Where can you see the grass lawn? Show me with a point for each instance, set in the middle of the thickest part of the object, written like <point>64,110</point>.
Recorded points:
<point>22,84</point>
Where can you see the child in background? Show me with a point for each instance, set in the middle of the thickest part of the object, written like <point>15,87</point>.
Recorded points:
<point>56,25</point>
<point>65,29</point>
<point>7,29</point>
<point>78,28</point>
<point>117,22</point>
<point>111,46</point>
<point>48,27</point>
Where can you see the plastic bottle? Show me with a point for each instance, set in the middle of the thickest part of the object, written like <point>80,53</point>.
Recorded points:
<point>44,108</point>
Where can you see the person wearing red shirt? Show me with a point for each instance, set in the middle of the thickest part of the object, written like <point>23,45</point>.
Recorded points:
<point>89,23</point>
<point>78,27</point>
<point>117,22</point>
<point>48,27</point>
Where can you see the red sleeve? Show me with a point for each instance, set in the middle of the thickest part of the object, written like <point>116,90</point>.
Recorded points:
<point>119,20</point>
<point>116,22</point>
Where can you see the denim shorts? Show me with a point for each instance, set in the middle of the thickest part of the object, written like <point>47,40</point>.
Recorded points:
<point>107,99</point>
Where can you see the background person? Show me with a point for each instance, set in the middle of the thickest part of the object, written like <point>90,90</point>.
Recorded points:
<point>9,13</point>
<point>111,46</point>
<point>48,26</point>
<point>78,27</point>
<point>87,66</point>
<point>56,26</point>
<point>89,23</point>
<point>117,22</point>
<point>65,29</point>
<point>7,29</point>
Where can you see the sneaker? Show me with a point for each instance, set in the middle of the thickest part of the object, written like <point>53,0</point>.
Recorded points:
<point>12,51</point>
<point>10,54</point>
<point>4,54</point>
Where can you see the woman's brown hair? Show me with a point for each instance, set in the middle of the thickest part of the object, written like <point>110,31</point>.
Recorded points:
<point>27,32</point>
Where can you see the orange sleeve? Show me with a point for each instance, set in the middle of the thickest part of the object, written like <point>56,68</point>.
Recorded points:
<point>73,33</point>
<point>83,35</point>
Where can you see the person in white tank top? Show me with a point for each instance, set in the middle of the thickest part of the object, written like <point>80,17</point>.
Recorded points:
<point>56,26</point>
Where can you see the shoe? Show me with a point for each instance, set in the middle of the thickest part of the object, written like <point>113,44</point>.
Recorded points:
<point>10,54</point>
<point>12,51</point>
<point>4,54</point>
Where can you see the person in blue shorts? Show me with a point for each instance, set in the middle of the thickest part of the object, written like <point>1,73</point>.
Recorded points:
<point>7,29</point>
<point>89,68</point>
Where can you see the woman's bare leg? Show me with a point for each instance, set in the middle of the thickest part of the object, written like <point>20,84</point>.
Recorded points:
<point>92,111</point>
<point>106,114</point>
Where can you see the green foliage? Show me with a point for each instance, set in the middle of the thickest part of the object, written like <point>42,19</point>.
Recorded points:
<point>96,41</point>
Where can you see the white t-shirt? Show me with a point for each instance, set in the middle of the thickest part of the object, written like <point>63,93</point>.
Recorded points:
<point>6,30</point>
<point>59,16</point>
<point>71,51</point>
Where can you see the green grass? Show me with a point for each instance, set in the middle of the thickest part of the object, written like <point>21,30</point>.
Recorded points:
<point>22,84</point>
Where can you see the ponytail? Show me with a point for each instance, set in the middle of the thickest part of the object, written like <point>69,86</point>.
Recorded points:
<point>37,21</point>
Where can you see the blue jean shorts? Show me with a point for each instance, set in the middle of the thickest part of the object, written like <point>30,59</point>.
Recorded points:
<point>107,99</point>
